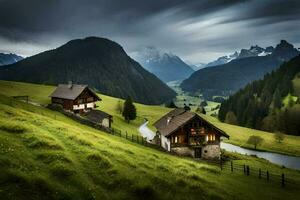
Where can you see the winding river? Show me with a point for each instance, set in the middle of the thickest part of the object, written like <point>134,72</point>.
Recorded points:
<point>280,159</point>
<point>292,162</point>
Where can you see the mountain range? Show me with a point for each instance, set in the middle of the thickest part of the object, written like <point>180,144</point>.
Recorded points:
<point>6,59</point>
<point>249,65</point>
<point>166,66</point>
<point>98,62</point>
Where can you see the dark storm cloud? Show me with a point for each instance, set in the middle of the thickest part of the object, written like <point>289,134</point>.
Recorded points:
<point>195,29</point>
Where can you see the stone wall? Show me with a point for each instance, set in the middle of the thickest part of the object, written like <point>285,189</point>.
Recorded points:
<point>211,151</point>
<point>184,151</point>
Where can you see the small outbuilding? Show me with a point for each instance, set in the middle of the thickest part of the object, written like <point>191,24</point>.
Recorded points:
<point>100,117</point>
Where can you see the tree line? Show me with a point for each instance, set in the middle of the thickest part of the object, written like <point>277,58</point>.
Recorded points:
<point>260,104</point>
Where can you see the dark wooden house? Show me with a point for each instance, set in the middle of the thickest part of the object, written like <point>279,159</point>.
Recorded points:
<point>187,133</point>
<point>75,98</point>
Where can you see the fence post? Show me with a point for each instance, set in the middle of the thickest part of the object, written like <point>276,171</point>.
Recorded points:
<point>259,173</point>
<point>231,166</point>
<point>248,170</point>
<point>268,177</point>
<point>244,169</point>
<point>282,180</point>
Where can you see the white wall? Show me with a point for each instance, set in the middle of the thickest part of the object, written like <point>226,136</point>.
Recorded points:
<point>105,122</point>
<point>165,143</point>
<point>79,107</point>
<point>90,105</point>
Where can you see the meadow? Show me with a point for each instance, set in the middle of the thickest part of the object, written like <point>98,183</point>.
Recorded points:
<point>238,135</point>
<point>45,155</point>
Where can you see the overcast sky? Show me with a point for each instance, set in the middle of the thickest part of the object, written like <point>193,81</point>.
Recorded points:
<point>196,30</point>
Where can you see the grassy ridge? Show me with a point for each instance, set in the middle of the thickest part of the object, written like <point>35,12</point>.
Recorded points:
<point>44,155</point>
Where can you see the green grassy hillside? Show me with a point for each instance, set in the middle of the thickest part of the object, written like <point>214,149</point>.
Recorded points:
<point>238,135</point>
<point>40,94</point>
<point>45,155</point>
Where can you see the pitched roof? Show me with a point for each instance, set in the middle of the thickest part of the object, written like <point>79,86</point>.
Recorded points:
<point>97,115</point>
<point>173,120</point>
<point>66,91</point>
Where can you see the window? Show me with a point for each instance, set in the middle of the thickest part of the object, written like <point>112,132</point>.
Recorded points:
<point>211,137</point>
<point>90,99</point>
<point>176,139</point>
<point>193,131</point>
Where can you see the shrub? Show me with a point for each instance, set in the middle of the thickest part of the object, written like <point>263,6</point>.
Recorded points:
<point>231,118</point>
<point>255,140</point>
<point>279,137</point>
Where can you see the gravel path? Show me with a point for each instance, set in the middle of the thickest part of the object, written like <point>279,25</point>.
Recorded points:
<point>146,132</point>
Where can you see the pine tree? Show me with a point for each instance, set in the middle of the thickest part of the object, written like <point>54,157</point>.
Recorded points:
<point>231,118</point>
<point>291,101</point>
<point>129,110</point>
<point>119,107</point>
<point>171,105</point>
<point>277,100</point>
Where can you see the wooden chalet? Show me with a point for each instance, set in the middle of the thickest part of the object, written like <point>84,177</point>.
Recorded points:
<point>75,98</point>
<point>188,134</point>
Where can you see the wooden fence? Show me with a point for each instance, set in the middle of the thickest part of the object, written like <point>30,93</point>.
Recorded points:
<point>264,174</point>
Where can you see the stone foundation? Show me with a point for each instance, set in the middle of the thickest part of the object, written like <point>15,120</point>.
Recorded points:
<point>210,152</point>
<point>184,151</point>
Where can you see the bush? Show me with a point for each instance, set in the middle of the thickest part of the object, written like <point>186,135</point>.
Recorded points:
<point>255,140</point>
<point>279,137</point>
<point>231,118</point>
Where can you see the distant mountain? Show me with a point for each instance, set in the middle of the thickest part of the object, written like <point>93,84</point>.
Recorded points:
<point>223,60</point>
<point>6,59</point>
<point>260,105</point>
<point>198,66</point>
<point>98,62</point>
<point>253,51</point>
<point>166,66</point>
<point>250,65</point>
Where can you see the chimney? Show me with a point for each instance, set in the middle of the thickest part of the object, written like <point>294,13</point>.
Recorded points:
<point>168,120</point>
<point>70,84</point>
